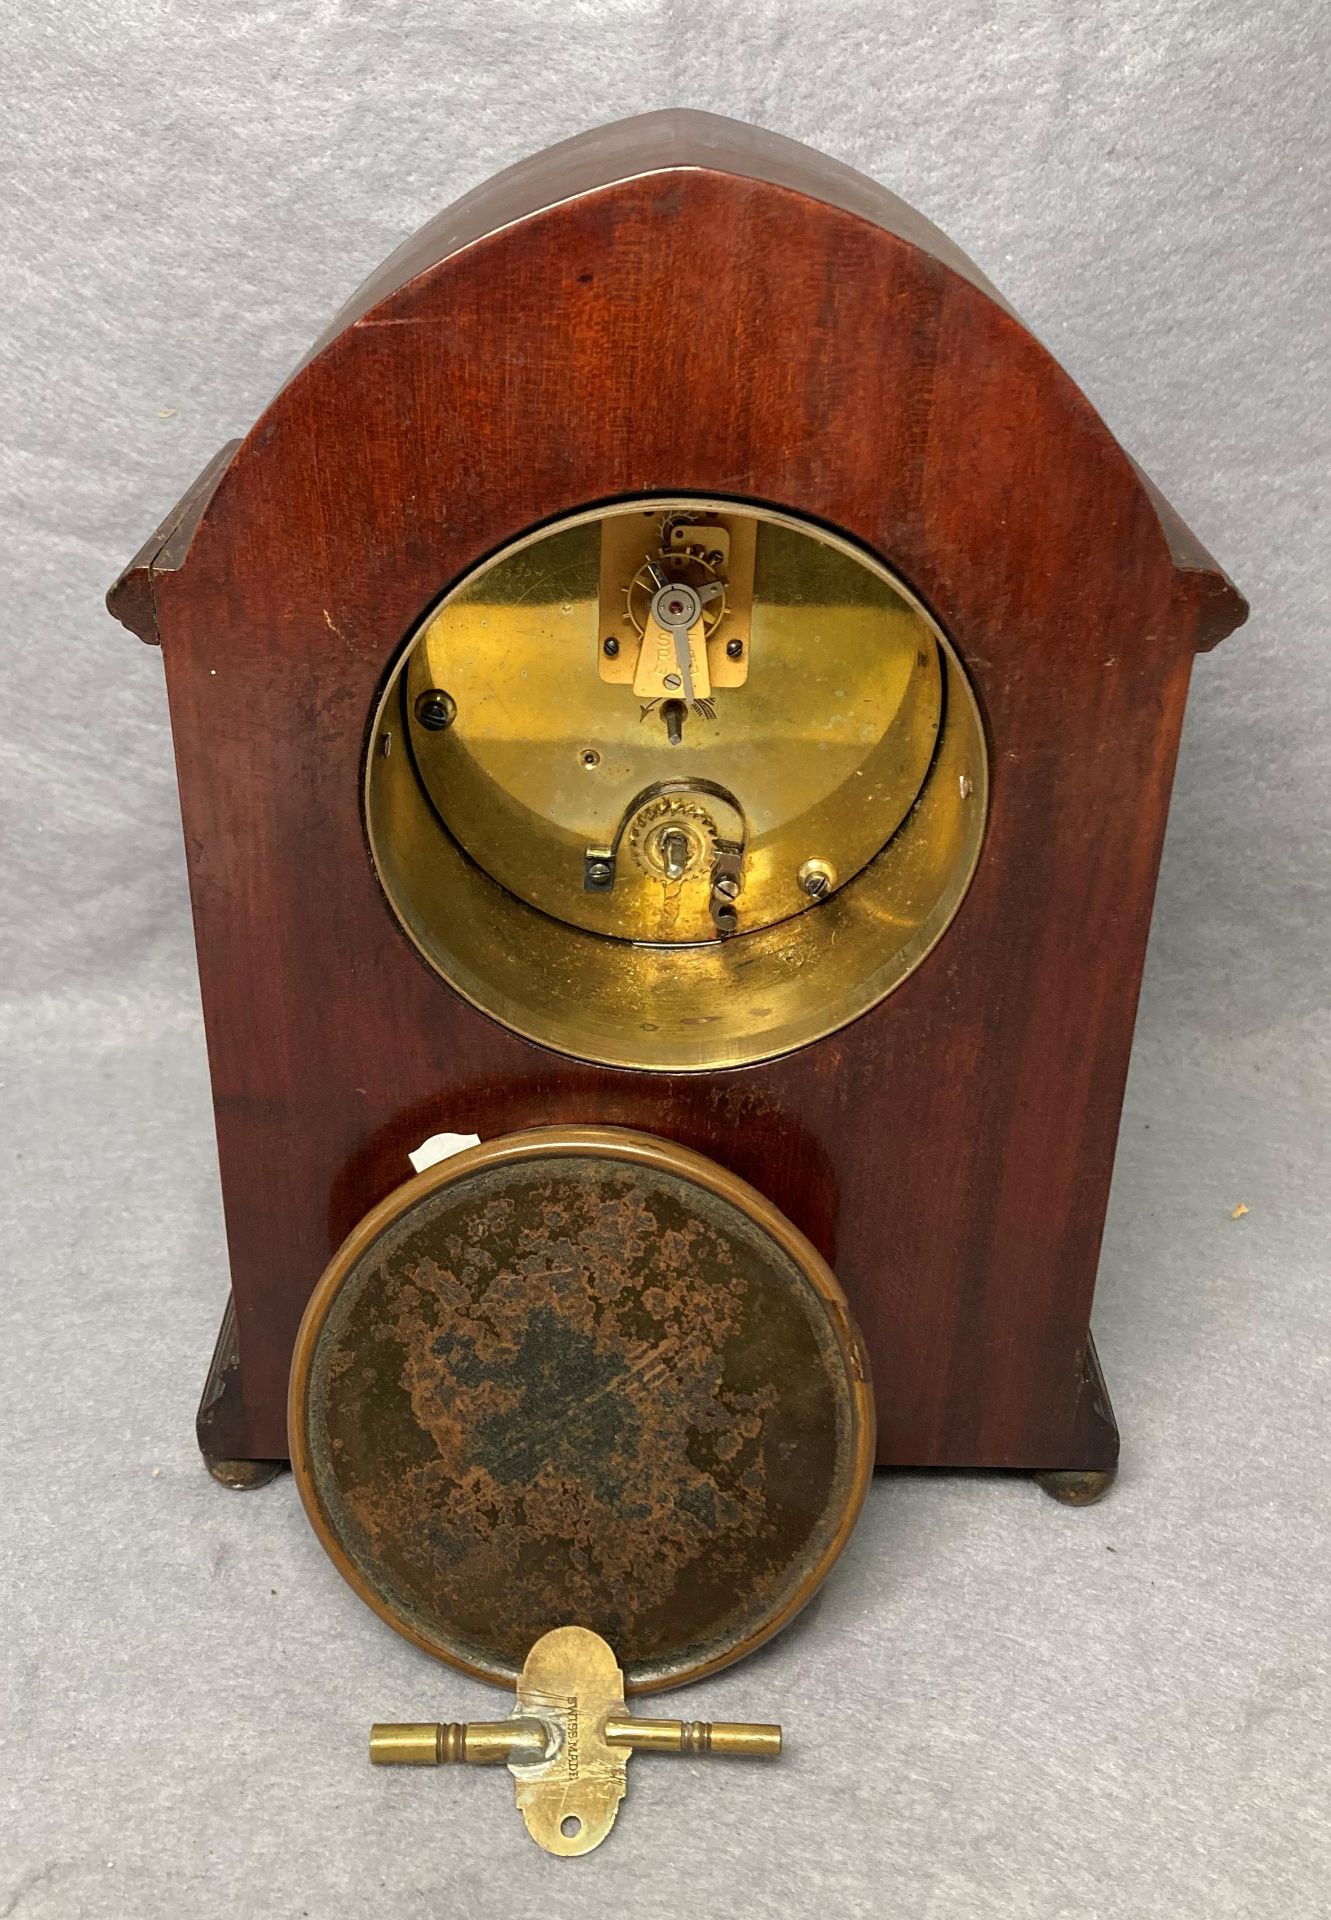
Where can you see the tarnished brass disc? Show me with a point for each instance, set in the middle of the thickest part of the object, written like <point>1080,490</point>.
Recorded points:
<point>581,1377</point>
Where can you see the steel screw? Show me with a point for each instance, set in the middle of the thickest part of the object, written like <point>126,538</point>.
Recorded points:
<point>599,873</point>
<point>817,878</point>
<point>436,710</point>
<point>610,647</point>
<point>734,649</point>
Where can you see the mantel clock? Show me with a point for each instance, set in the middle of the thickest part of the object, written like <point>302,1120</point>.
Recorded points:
<point>680,659</point>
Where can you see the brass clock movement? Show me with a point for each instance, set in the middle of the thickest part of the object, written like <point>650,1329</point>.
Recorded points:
<point>658,727</point>
<point>680,690</point>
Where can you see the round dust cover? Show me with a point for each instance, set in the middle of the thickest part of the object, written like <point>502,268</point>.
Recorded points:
<point>581,1377</point>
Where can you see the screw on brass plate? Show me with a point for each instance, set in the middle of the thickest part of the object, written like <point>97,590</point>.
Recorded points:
<point>817,878</point>
<point>568,1741</point>
<point>610,647</point>
<point>735,649</point>
<point>436,709</point>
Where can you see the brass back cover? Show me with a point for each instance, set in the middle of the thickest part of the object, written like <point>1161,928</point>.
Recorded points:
<point>581,1377</point>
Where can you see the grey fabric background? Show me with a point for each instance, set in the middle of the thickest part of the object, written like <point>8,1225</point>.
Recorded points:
<point>997,1707</point>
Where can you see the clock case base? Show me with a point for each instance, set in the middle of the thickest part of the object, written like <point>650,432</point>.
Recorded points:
<point>219,1424</point>
<point>1087,1475</point>
<point>681,303</point>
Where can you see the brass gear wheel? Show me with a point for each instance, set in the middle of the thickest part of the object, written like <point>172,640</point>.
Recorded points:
<point>650,824</point>
<point>691,565</point>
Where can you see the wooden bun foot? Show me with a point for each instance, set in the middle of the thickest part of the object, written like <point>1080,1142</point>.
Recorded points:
<point>1077,1487</point>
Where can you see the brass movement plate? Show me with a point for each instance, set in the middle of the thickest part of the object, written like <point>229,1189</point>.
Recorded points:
<point>824,746</point>
<point>581,1377</point>
<point>725,543</point>
<point>834,778</point>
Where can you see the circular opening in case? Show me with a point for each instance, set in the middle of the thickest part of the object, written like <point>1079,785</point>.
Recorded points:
<point>676,784</point>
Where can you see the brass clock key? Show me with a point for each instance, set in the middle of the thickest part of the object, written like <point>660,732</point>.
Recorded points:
<point>567,1742</point>
<point>637,1340</point>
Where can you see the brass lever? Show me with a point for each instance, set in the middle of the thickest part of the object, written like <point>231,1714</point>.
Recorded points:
<point>567,1742</point>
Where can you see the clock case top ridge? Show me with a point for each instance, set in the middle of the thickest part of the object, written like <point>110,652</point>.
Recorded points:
<point>682,305</point>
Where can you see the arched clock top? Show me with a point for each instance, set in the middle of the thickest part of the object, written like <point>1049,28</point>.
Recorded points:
<point>687,253</point>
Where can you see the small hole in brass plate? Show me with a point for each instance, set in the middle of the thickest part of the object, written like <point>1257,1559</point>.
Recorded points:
<point>570,1826</point>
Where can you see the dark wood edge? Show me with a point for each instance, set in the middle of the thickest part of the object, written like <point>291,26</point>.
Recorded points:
<point>1095,1430</point>
<point>220,1423</point>
<point>670,140</point>
<point>1218,606</point>
<point>130,599</point>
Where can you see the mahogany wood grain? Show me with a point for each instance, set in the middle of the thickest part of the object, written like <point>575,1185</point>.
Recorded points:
<point>679,304</point>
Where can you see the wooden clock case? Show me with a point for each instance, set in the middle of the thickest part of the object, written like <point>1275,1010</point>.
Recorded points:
<point>680,304</point>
